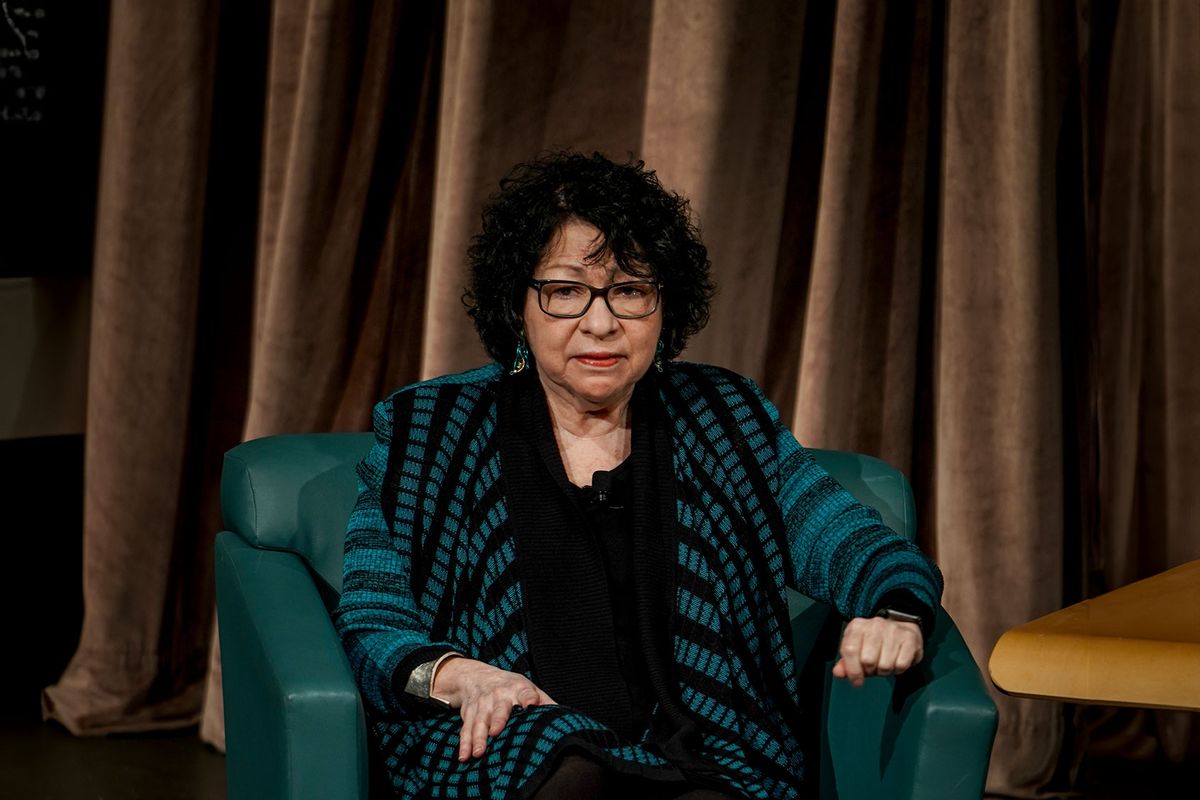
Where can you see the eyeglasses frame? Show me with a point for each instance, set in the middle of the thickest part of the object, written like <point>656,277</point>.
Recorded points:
<point>597,291</point>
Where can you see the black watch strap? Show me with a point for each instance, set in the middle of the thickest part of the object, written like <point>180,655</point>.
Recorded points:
<point>900,616</point>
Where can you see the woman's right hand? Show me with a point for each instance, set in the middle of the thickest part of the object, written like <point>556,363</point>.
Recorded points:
<point>485,697</point>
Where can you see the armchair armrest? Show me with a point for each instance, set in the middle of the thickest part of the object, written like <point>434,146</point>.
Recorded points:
<point>294,722</point>
<point>925,734</point>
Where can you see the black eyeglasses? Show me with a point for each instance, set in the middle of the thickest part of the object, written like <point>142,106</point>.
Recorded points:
<point>569,299</point>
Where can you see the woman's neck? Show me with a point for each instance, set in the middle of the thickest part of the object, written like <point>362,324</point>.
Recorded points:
<point>583,421</point>
<point>589,439</point>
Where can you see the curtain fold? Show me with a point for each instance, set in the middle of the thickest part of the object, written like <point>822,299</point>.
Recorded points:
<point>1143,256</point>
<point>135,668</point>
<point>951,233</point>
<point>1177,62</point>
<point>342,231</point>
<point>998,472</point>
<point>322,134</point>
<point>718,128</point>
<point>875,203</point>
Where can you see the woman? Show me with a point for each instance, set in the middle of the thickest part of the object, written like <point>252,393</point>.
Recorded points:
<point>565,577</point>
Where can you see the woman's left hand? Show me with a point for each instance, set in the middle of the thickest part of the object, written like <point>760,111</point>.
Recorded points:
<point>877,646</point>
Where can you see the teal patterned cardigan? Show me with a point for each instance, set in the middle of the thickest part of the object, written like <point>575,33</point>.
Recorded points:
<point>430,565</point>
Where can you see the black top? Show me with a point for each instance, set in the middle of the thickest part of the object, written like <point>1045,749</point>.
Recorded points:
<point>606,506</point>
<point>568,611</point>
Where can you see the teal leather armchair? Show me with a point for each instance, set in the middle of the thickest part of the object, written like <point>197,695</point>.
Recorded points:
<point>294,723</point>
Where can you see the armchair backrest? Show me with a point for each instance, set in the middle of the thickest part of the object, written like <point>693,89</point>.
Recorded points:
<point>295,493</point>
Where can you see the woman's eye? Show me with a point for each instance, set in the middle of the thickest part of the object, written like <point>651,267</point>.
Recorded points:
<point>566,292</point>
<point>632,290</point>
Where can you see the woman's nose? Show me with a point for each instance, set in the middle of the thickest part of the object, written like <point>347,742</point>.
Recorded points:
<point>598,320</point>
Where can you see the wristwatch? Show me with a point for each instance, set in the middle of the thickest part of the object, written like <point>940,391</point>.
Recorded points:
<point>900,616</point>
<point>420,680</point>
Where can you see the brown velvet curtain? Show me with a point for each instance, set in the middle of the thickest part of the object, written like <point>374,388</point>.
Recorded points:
<point>261,246</point>
<point>954,233</point>
<point>146,578</point>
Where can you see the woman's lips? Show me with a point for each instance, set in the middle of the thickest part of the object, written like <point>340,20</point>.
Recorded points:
<point>597,359</point>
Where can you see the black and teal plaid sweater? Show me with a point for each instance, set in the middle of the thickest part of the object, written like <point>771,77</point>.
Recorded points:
<point>461,541</point>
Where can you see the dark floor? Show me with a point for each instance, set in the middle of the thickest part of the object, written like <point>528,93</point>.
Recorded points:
<point>1117,779</point>
<point>41,761</point>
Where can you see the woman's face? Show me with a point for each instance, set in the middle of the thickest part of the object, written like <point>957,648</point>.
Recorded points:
<point>593,361</point>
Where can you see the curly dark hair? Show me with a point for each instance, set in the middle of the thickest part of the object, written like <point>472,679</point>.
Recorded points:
<point>647,230</point>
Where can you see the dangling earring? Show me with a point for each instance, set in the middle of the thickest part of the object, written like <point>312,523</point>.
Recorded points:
<point>658,359</point>
<point>521,358</point>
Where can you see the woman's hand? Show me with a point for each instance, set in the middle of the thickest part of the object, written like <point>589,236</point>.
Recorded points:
<point>877,646</point>
<point>485,697</point>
